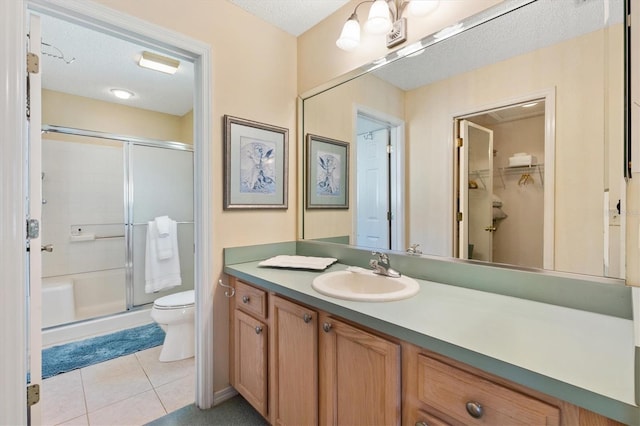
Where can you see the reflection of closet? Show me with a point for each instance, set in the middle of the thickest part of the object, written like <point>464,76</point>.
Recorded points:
<point>517,191</point>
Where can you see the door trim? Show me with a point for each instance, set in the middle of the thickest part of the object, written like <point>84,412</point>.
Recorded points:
<point>13,212</point>
<point>13,364</point>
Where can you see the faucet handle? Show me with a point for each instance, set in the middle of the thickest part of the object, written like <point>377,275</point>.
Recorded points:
<point>413,249</point>
<point>382,257</point>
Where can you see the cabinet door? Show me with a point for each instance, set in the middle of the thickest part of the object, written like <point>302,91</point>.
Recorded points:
<point>250,363</point>
<point>360,376</point>
<point>294,364</point>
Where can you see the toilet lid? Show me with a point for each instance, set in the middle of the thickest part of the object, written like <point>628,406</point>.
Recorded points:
<point>177,299</point>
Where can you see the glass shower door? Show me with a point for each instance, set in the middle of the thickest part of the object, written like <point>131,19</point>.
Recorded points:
<point>161,184</point>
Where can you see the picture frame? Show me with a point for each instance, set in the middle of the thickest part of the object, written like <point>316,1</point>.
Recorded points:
<point>255,165</point>
<point>327,173</point>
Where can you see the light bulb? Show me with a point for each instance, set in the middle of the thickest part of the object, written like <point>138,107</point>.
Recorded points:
<point>379,21</point>
<point>350,36</point>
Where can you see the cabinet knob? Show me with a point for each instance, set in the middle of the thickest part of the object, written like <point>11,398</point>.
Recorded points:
<point>422,424</point>
<point>326,327</point>
<point>258,329</point>
<point>245,299</point>
<point>307,318</point>
<point>474,409</point>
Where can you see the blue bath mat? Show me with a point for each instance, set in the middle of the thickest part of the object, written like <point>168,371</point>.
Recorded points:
<point>74,355</point>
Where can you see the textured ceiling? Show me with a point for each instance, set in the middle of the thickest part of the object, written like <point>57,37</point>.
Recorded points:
<point>101,62</point>
<point>534,26</point>
<point>293,16</point>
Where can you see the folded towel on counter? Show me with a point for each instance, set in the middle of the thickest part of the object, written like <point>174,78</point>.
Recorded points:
<point>161,273</point>
<point>298,262</point>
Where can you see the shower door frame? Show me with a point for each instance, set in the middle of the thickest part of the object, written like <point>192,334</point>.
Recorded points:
<point>129,224</point>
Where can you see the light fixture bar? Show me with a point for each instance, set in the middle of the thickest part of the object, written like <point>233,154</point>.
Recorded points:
<point>159,63</point>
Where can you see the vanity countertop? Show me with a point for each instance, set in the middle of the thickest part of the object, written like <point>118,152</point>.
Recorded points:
<point>581,357</point>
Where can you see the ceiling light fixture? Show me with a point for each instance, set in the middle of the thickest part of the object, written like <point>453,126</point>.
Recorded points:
<point>122,94</point>
<point>159,63</point>
<point>385,17</point>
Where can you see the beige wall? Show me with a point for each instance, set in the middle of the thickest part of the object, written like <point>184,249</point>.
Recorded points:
<point>62,109</point>
<point>319,60</point>
<point>332,115</point>
<point>254,77</point>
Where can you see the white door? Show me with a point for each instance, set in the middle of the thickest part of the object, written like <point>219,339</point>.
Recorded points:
<point>373,227</point>
<point>476,192</point>
<point>34,212</point>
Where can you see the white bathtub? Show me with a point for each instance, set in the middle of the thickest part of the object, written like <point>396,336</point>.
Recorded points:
<point>58,301</point>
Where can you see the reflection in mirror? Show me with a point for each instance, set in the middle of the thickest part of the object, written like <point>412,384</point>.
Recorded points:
<point>557,213</point>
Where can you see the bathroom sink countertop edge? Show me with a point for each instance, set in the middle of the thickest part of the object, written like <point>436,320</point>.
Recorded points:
<point>556,350</point>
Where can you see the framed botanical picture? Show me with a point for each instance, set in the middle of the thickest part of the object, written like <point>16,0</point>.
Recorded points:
<point>255,166</point>
<point>327,173</point>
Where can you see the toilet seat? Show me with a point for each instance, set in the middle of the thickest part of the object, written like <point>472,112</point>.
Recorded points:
<point>184,299</point>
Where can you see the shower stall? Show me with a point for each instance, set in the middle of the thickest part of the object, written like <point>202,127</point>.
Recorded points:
<point>99,192</point>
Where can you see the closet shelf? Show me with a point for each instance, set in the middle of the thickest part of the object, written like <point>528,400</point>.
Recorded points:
<point>522,170</point>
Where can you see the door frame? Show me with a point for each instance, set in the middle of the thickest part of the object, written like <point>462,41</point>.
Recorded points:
<point>396,171</point>
<point>549,97</point>
<point>13,168</point>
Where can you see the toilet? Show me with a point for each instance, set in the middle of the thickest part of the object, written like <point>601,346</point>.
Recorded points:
<point>175,314</point>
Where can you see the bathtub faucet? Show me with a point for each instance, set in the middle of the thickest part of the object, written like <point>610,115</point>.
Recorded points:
<point>382,266</point>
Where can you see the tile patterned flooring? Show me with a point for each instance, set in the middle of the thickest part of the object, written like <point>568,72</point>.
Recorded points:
<point>131,390</point>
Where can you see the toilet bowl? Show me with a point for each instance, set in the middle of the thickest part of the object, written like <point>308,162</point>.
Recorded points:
<point>175,314</point>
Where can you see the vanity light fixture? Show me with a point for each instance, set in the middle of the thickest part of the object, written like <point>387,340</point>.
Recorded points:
<point>385,17</point>
<point>122,94</point>
<point>158,62</point>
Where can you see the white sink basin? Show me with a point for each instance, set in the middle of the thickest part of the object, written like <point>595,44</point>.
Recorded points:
<point>365,286</point>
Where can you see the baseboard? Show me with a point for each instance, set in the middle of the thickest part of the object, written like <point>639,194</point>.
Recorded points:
<point>223,395</point>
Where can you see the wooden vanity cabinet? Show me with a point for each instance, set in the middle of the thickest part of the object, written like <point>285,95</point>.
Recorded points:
<point>299,366</point>
<point>249,345</point>
<point>359,376</point>
<point>439,391</point>
<point>293,354</point>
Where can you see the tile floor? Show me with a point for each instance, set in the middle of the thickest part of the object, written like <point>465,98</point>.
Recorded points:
<point>131,390</point>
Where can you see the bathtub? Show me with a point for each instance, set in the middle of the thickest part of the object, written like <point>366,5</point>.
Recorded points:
<point>58,302</point>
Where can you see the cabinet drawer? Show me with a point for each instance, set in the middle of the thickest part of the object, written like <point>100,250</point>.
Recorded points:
<point>458,394</point>
<point>251,300</point>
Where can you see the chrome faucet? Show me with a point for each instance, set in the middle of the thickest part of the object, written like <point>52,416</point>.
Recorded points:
<point>414,249</point>
<point>381,265</point>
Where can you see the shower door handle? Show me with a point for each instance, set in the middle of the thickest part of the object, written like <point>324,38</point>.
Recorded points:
<point>47,248</point>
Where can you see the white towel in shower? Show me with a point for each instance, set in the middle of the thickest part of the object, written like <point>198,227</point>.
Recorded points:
<point>166,229</point>
<point>161,274</point>
<point>164,225</point>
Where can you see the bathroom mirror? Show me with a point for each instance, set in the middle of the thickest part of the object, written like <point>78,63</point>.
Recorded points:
<point>546,78</point>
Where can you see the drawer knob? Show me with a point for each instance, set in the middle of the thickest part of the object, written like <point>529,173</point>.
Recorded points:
<point>307,318</point>
<point>326,327</point>
<point>474,409</point>
<point>422,424</point>
<point>258,329</point>
<point>245,299</point>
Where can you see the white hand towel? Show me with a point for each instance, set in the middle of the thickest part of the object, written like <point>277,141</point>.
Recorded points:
<point>161,274</point>
<point>166,228</point>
